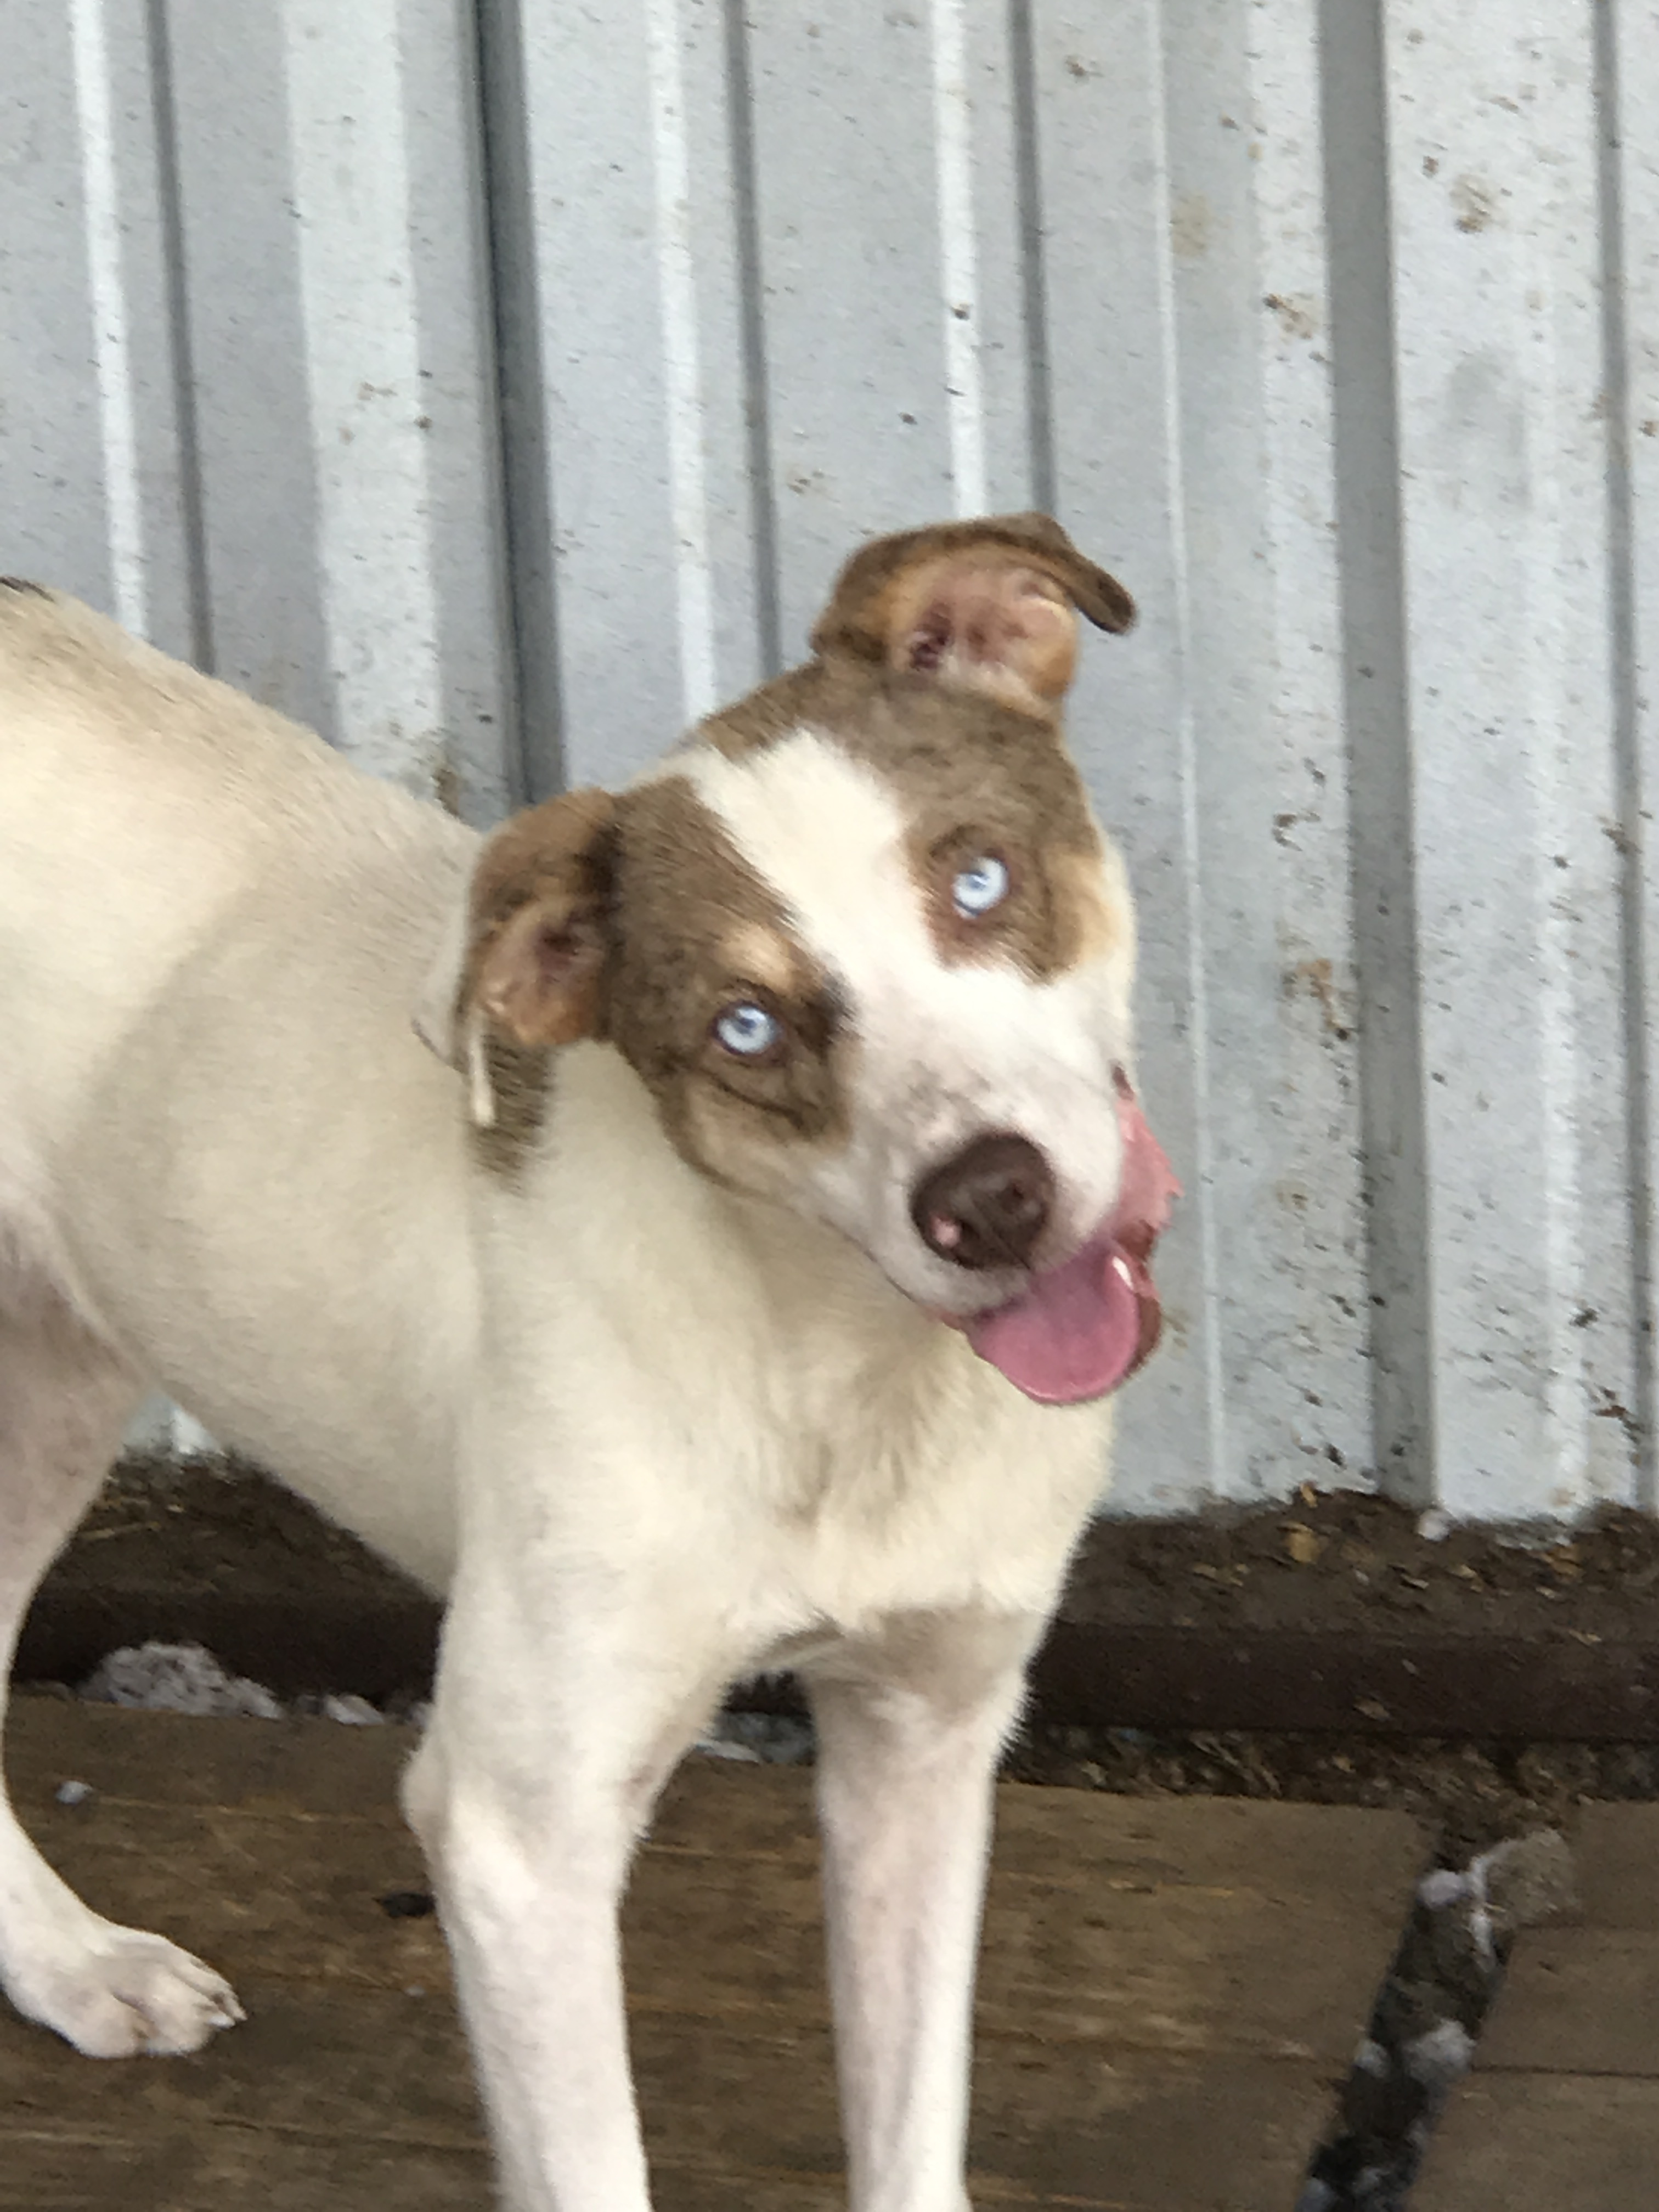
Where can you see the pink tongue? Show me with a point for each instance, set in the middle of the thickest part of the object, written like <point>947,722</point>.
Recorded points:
<point>1078,1330</point>
<point>1075,1332</point>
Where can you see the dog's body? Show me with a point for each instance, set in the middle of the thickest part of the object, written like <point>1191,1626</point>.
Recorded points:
<point>639,1355</point>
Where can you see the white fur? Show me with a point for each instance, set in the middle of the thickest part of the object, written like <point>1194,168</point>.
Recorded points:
<point>679,1434</point>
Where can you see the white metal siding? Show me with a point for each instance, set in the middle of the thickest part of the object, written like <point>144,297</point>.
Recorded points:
<point>494,386</point>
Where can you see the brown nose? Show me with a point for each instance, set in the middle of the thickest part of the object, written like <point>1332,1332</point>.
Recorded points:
<point>987,1207</point>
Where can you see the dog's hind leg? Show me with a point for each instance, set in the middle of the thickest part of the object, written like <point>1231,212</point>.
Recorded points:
<point>112,1991</point>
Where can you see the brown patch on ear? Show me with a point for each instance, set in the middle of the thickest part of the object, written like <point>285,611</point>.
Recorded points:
<point>985,604</point>
<point>536,959</point>
<point>533,970</point>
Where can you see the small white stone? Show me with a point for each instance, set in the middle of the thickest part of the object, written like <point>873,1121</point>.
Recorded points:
<point>351,1710</point>
<point>1444,1887</point>
<point>1442,2057</point>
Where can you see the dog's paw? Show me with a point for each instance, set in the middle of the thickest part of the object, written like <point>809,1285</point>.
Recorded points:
<point>117,1993</point>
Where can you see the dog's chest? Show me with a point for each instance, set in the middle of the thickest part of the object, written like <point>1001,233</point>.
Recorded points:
<point>954,1496</point>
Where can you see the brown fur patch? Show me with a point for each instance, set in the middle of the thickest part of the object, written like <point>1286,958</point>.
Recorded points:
<point>871,606</point>
<point>985,622</point>
<point>767,957</point>
<point>685,900</point>
<point>24,584</point>
<point>533,974</point>
<point>520,1078</point>
<point>536,943</point>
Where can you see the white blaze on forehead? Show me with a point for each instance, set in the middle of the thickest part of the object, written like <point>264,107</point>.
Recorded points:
<point>830,835</point>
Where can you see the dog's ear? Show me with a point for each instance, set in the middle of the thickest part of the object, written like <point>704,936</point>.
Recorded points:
<point>985,604</point>
<point>525,959</point>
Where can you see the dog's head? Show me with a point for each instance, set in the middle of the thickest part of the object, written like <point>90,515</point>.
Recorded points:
<point>862,940</point>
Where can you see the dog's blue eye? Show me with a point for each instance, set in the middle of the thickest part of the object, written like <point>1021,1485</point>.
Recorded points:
<point>747,1030</point>
<point>983,884</point>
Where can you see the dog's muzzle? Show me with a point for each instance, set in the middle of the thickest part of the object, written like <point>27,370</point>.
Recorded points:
<point>1077,1329</point>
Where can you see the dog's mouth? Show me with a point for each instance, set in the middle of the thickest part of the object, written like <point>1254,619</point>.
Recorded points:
<point>1078,1330</point>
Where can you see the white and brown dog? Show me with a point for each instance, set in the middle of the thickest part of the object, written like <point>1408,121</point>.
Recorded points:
<point>736,1284</point>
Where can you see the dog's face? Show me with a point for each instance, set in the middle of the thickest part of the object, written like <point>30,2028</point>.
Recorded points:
<point>862,940</point>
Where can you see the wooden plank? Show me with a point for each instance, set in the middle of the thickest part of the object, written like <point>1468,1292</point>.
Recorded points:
<point>319,2069</point>
<point>1117,1921</point>
<point>169,1759</point>
<point>1562,2114</point>
<point>1615,1850</point>
<point>1545,2143</point>
<point>1169,1990</point>
<point>197,2170</point>
<point>1579,2000</point>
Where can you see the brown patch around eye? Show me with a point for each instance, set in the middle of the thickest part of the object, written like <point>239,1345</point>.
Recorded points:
<point>1089,916</point>
<point>731,1051</point>
<point>1020,927</point>
<point>700,933</point>
<point>973,933</point>
<point>766,957</point>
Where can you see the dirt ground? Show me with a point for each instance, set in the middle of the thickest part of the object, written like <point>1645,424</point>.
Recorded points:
<point>1342,1560</point>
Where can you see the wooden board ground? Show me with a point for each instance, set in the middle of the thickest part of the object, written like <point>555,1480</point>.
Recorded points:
<point>1170,1989</point>
<point>1562,2111</point>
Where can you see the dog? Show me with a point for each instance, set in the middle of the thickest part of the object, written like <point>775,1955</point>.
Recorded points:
<point>699,1228</point>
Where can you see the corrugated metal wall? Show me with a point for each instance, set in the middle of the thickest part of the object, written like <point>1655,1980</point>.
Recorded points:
<point>496,385</point>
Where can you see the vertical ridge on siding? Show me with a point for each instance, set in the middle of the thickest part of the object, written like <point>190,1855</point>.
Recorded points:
<point>755,370</point>
<point>1622,645</point>
<point>538,764</point>
<point>1207,1376</point>
<point>364,384</point>
<point>1493,181</point>
<point>1033,256</point>
<point>106,275</point>
<point>1628,57</point>
<point>959,302</point>
<point>683,364</point>
<point>193,630</point>
<point>1370,568</point>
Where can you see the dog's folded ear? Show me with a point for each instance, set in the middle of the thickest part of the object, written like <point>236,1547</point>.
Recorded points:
<point>987,605</point>
<point>525,959</point>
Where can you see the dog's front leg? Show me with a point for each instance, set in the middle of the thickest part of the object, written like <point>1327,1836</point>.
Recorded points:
<point>909,1729</point>
<point>552,1732</point>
